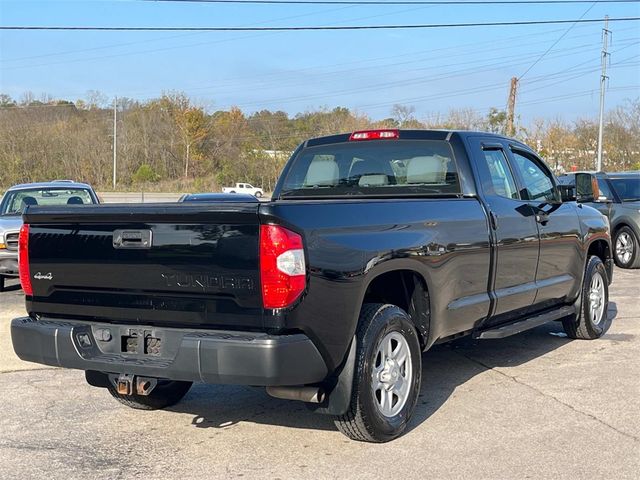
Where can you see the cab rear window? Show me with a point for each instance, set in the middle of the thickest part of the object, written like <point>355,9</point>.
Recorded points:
<point>373,168</point>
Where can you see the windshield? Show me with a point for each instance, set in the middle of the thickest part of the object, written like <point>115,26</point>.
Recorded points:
<point>628,188</point>
<point>15,202</point>
<point>378,168</point>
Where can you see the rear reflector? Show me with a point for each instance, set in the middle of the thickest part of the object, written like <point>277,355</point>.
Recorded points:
<point>23,260</point>
<point>282,266</point>
<point>374,135</point>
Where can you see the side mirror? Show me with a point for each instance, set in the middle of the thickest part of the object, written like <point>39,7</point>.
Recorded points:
<point>603,199</point>
<point>567,193</point>
<point>586,187</point>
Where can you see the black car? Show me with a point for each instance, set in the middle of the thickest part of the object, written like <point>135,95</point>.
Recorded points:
<point>617,196</point>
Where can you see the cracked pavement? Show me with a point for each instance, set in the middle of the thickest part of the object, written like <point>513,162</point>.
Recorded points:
<point>536,405</point>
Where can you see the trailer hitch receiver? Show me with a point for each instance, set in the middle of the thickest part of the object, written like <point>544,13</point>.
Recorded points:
<point>127,384</point>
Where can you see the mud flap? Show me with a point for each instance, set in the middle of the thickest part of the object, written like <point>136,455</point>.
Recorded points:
<point>338,387</point>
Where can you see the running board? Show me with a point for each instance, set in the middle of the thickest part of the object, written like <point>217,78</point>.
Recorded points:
<point>526,324</point>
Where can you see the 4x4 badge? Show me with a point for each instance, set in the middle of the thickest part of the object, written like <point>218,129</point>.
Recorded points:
<point>40,276</point>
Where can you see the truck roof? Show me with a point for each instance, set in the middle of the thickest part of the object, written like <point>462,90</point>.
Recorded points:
<point>407,134</point>
<point>632,174</point>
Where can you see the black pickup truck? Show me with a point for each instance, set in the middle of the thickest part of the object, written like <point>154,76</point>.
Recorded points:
<point>375,246</point>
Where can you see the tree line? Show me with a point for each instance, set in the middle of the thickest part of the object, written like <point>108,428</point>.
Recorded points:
<point>170,143</point>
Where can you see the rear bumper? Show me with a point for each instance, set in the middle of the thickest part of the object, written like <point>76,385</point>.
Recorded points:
<point>245,358</point>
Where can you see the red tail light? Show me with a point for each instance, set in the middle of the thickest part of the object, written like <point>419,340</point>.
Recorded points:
<point>387,134</point>
<point>23,260</point>
<point>282,266</point>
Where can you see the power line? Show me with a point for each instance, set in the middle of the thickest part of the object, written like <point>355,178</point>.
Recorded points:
<point>315,28</point>
<point>385,85</point>
<point>574,71</point>
<point>392,2</point>
<point>568,72</point>
<point>104,47</point>
<point>556,42</point>
<point>351,62</point>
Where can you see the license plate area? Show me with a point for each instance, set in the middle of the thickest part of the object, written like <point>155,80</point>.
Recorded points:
<point>142,342</point>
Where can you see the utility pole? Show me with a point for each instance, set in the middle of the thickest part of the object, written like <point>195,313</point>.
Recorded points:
<point>115,140</point>
<point>603,84</point>
<point>511,107</point>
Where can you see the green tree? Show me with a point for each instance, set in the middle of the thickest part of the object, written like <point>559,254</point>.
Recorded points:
<point>145,174</point>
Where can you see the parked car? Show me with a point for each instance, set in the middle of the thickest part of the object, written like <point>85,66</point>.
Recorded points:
<point>375,246</point>
<point>217,197</point>
<point>616,195</point>
<point>244,188</point>
<point>17,198</point>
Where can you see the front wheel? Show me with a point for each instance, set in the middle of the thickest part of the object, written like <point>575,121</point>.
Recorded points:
<point>591,319</point>
<point>258,194</point>
<point>2,283</point>
<point>626,249</point>
<point>387,375</point>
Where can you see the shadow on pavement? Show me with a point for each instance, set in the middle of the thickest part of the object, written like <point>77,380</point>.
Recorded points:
<point>445,368</point>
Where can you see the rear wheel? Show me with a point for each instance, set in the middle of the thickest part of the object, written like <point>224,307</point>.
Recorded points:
<point>387,376</point>
<point>2,277</point>
<point>166,394</point>
<point>626,249</point>
<point>591,320</point>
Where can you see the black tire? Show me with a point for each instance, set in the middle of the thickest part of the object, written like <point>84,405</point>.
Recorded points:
<point>364,420</point>
<point>2,280</point>
<point>625,234</point>
<point>232,191</point>
<point>582,325</point>
<point>166,394</point>
<point>258,194</point>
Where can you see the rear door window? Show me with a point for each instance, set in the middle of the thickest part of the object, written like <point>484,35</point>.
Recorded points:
<point>379,168</point>
<point>501,182</point>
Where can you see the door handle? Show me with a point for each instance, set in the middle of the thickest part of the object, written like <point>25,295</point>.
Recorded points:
<point>135,239</point>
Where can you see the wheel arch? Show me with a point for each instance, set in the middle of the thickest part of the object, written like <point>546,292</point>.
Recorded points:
<point>406,288</point>
<point>600,248</point>
<point>603,250</point>
<point>618,226</point>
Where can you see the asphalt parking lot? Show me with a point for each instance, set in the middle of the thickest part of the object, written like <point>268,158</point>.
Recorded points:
<point>536,405</point>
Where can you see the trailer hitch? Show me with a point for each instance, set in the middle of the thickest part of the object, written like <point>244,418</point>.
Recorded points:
<point>127,384</point>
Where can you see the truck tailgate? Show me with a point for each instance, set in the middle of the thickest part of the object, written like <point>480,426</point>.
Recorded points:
<point>165,264</point>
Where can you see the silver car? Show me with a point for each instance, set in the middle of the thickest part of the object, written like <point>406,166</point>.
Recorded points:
<point>18,198</point>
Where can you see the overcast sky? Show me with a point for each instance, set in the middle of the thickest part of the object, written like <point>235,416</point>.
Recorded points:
<point>369,71</point>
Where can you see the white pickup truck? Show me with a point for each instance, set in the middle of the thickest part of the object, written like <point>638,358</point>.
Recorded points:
<point>244,188</point>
